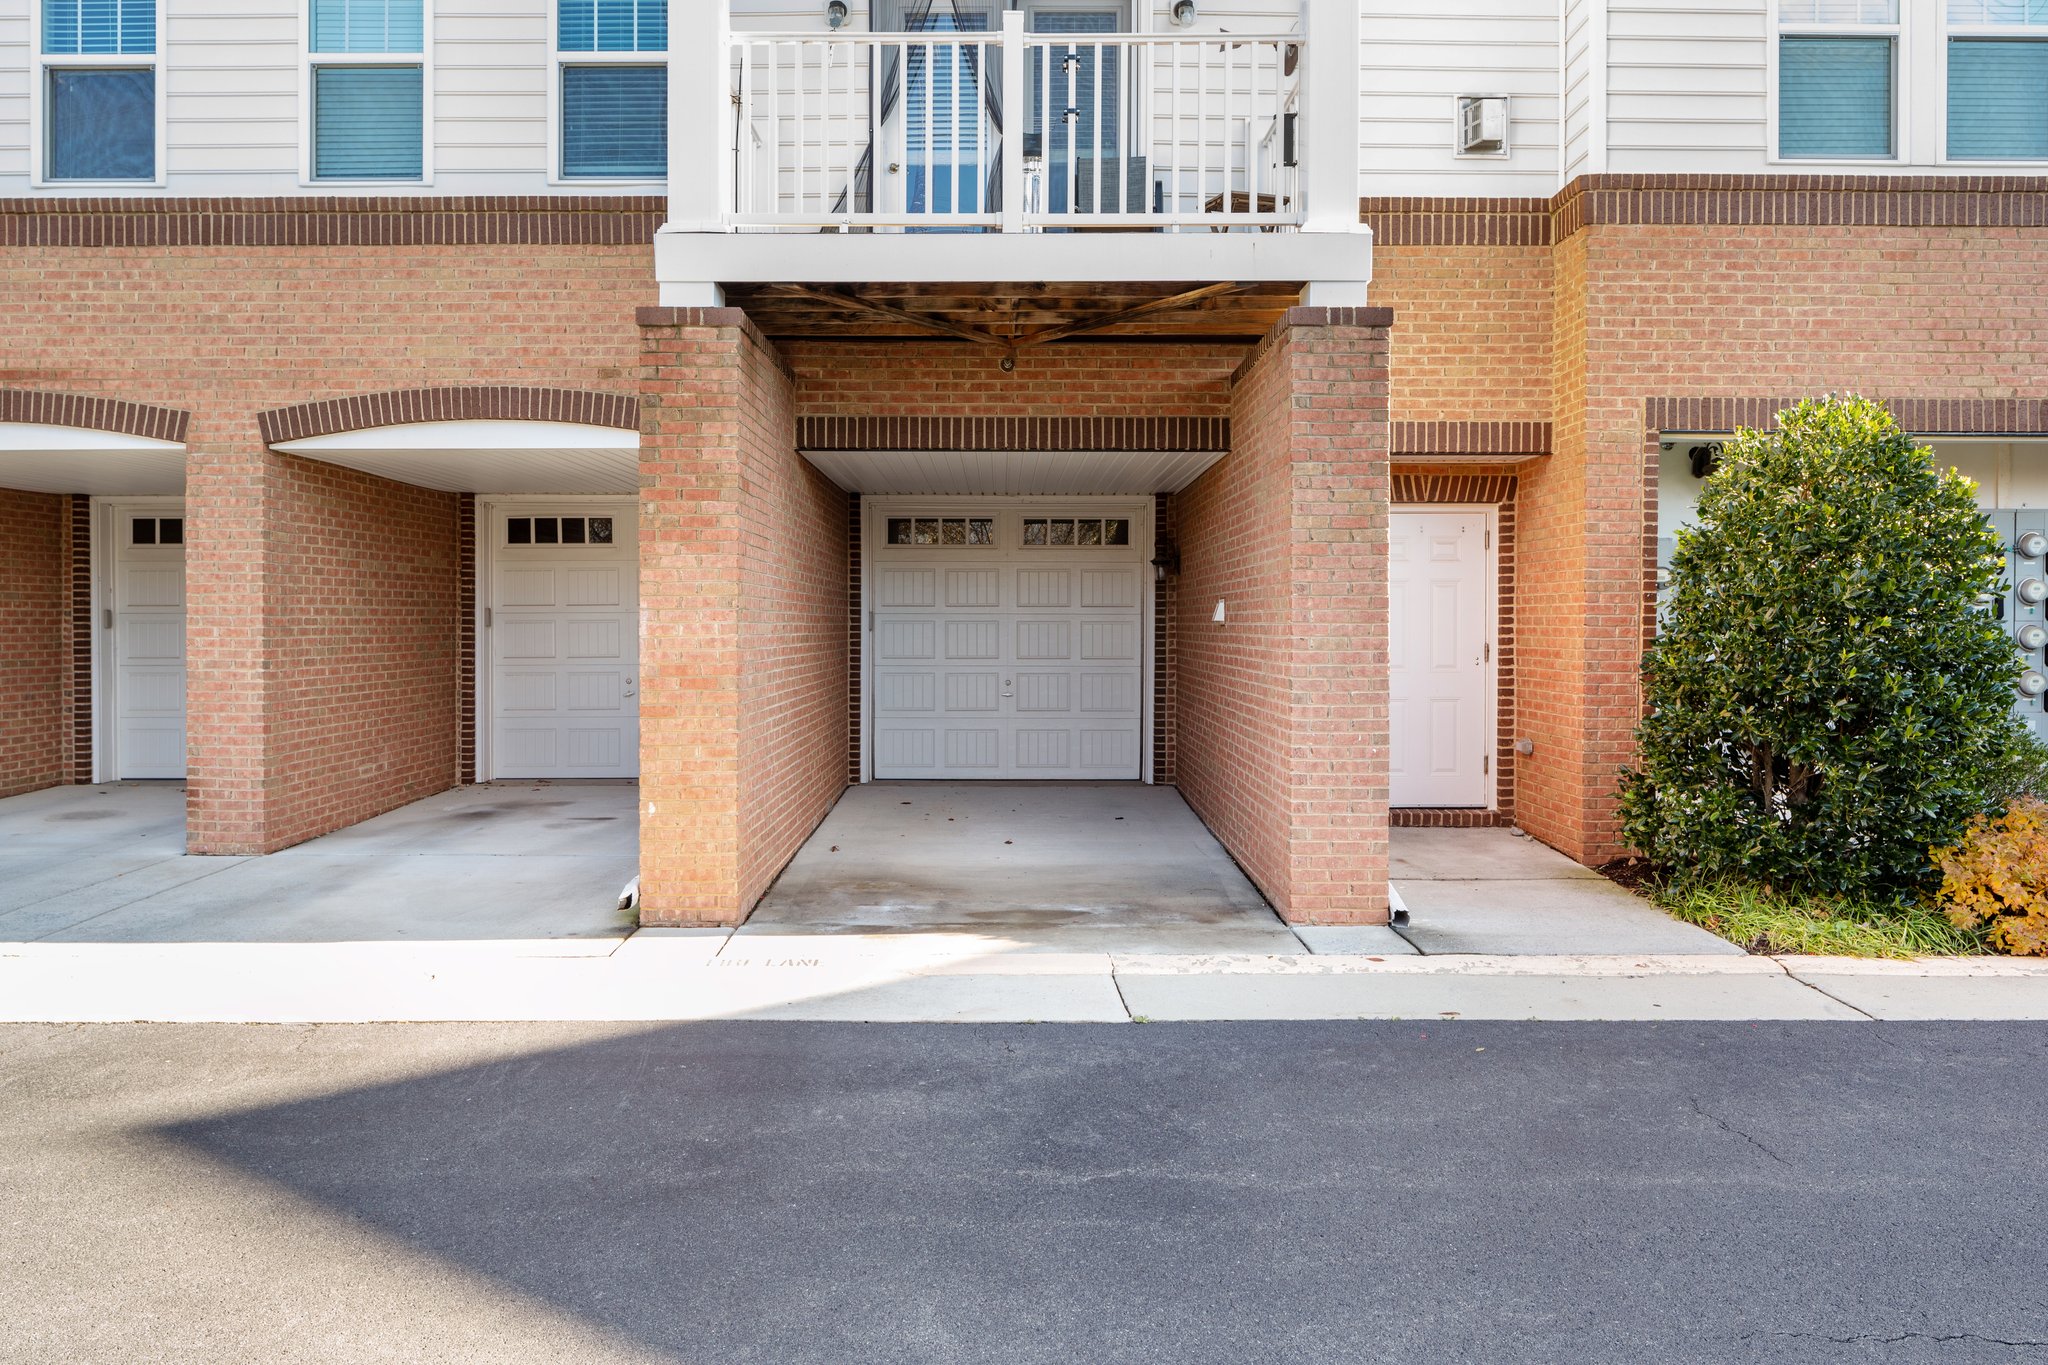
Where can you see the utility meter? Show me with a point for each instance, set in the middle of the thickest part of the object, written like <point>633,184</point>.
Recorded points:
<point>2031,544</point>
<point>2033,636</point>
<point>2032,591</point>
<point>2033,683</point>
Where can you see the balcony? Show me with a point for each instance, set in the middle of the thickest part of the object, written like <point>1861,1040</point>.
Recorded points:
<point>1180,157</point>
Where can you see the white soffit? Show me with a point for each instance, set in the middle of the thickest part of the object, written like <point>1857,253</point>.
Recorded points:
<point>487,456</point>
<point>37,458</point>
<point>1059,473</point>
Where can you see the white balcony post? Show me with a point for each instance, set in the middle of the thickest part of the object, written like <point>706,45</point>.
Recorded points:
<point>700,172</point>
<point>1016,113</point>
<point>1330,115</point>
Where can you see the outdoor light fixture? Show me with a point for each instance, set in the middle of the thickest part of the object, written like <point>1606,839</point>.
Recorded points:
<point>835,13</point>
<point>1166,562</point>
<point>1183,13</point>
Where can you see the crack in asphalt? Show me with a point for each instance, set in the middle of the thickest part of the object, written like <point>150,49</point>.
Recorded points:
<point>1727,1127</point>
<point>1874,1339</point>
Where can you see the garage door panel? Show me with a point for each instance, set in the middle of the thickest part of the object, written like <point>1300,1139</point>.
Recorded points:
<point>1038,648</point>
<point>147,669</point>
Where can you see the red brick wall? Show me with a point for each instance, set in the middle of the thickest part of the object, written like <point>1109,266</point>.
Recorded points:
<point>1283,708</point>
<point>1474,343</point>
<point>1651,311</point>
<point>957,379</point>
<point>231,332</point>
<point>743,601</point>
<point>793,529</point>
<point>35,641</point>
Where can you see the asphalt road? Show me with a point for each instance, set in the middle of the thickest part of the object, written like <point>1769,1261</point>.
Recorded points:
<point>1076,1194</point>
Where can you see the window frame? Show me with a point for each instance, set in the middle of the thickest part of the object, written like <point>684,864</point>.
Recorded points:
<point>1780,28</point>
<point>1949,31</point>
<point>309,60</point>
<point>40,66</point>
<point>558,57</point>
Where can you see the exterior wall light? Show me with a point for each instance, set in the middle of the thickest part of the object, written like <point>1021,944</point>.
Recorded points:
<point>1183,13</point>
<point>1166,562</point>
<point>835,13</point>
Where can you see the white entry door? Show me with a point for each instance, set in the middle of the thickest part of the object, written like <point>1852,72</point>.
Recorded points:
<point>564,632</point>
<point>1440,646</point>
<point>1006,641</point>
<point>147,706</point>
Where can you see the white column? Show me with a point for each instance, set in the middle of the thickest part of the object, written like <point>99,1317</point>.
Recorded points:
<point>1016,101</point>
<point>1330,115</point>
<point>700,117</point>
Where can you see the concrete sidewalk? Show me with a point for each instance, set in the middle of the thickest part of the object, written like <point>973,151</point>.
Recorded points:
<point>713,974</point>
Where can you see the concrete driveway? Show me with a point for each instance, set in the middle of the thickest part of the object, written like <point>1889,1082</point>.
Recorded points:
<point>503,860</point>
<point>1030,866</point>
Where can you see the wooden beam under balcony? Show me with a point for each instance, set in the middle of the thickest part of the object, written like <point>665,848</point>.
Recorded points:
<point>1012,315</point>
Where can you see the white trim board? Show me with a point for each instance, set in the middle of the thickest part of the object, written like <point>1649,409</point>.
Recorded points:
<point>36,457</point>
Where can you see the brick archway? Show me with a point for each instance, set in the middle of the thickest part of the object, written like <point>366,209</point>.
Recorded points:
<point>91,413</point>
<point>495,402</point>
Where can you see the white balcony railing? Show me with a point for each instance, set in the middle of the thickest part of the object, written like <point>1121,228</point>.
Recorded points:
<point>1014,131</point>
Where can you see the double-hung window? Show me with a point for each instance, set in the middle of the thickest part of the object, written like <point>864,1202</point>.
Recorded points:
<point>1997,80</point>
<point>611,89</point>
<point>100,83</point>
<point>367,89</point>
<point>1838,65</point>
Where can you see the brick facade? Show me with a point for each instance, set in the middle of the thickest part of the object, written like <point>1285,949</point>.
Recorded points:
<point>309,314</point>
<point>1283,707</point>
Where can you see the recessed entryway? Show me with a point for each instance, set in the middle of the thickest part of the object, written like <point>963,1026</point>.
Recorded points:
<point>1441,624</point>
<point>562,637</point>
<point>1007,637</point>
<point>1055,866</point>
<point>139,637</point>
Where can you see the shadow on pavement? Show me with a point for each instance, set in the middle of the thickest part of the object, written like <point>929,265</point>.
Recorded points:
<point>794,1192</point>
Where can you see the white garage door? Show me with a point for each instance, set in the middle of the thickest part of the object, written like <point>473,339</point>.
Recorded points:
<point>1007,642</point>
<point>564,641</point>
<point>148,702</point>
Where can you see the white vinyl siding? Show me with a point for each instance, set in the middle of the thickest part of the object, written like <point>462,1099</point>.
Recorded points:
<point>1419,57</point>
<point>1584,32</point>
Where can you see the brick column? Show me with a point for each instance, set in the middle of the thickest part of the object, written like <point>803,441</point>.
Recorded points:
<point>743,665</point>
<point>322,643</point>
<point>1282,744</point>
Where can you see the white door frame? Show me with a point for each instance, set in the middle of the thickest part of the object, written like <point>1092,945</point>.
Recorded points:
<point>106,514</point>
<point>1489,725</point>
<point>624,506</point>
<point>1143,512</point>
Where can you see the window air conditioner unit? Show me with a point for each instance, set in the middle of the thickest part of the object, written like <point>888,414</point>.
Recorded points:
<point>1482,125</point>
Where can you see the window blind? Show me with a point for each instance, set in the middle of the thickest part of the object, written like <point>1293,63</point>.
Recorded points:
<point>126,27</point>
<point>102,125</point>
<point>367,26</point>
<point>615,122</point>
<point>1834,97</point>
<point>1997,99</point>
<point>366,123</point>
<point>612,25</point>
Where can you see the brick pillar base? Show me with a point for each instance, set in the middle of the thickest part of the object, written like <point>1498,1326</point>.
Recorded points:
<point>1282,707</point>
<point>743,571</point>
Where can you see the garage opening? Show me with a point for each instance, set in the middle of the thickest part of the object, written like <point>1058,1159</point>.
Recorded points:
<point>1007,638</point>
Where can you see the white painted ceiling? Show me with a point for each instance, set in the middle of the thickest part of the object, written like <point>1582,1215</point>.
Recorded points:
<point>37,458</point>
<point>487,456</point>
<point>1064,473</point>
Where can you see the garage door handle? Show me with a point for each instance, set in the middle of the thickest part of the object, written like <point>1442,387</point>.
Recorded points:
<point>629,688</point>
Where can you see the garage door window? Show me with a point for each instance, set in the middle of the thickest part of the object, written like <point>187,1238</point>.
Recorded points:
<point>942,531</point>
<point>1076,531</point>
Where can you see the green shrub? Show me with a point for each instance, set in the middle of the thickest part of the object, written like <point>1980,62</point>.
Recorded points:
<point>1827,699</point>
<point>1994,880</point>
